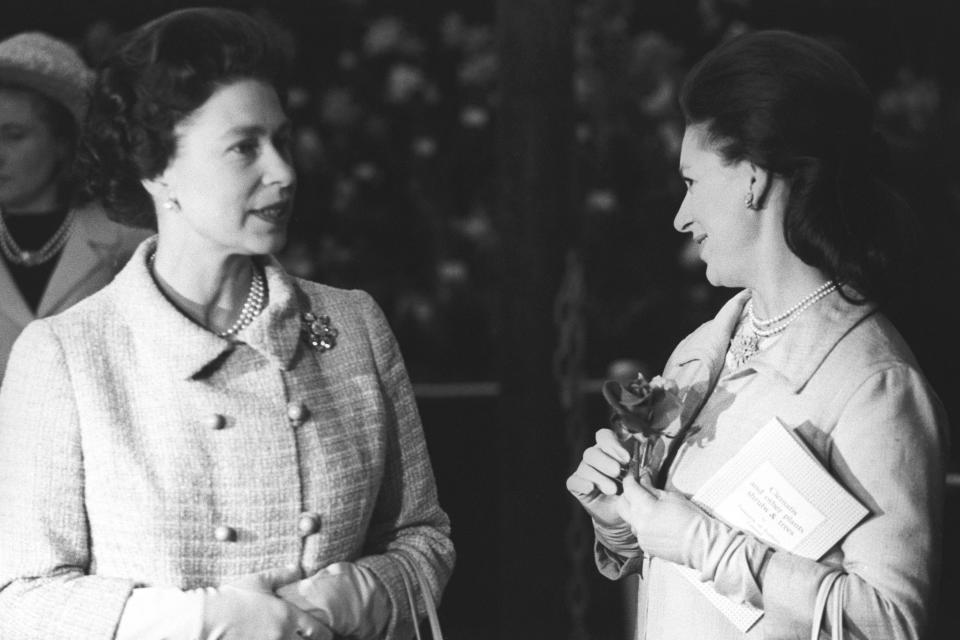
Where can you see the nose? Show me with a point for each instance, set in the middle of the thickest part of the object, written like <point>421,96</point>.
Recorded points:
<point>278,168</point>
<point>683,219</point>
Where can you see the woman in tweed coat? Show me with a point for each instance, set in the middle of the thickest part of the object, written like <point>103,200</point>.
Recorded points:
<point>781,202</point>
<point>208,447</point>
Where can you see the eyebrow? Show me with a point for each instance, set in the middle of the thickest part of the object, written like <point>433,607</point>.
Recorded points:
<point>254,129</point>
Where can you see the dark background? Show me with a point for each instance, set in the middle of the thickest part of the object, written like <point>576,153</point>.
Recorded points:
<point>501,176</point>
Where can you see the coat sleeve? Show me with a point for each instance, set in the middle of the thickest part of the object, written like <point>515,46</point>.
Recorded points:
<point>889,448</point>
<point>45,558</point>
<point>407,519</point>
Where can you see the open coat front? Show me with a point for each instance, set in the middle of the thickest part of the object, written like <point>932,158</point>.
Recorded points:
<point>139,449</point>
<point>843,379</point>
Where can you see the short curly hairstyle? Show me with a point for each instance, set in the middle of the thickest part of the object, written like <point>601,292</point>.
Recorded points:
<point>156,77</point>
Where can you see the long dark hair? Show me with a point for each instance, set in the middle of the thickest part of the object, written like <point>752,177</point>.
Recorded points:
<point>796,107</point>
<point>159,74</point>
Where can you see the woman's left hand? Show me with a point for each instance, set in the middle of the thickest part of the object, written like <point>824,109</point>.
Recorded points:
<point>666,523</point>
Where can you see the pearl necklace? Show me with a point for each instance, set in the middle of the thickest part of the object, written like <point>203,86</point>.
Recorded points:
<point>252,304</point>
<point>19,256</point>
<point>746,342</point>
<point>766,328</point>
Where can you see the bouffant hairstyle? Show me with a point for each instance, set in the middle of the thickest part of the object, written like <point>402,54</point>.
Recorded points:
<point>157,76</point>
<point>797,108</point>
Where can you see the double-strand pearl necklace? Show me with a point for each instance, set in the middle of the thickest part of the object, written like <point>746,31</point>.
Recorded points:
<point>252,304</point>
<point>746,342</point>
<point>19,256</point>
<point>770,326</point>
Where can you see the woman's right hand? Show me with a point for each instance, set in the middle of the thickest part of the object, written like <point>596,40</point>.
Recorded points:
<point>237,613</point>
<point>596,482</point>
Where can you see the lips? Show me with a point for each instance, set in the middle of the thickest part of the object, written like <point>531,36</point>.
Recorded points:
<point>700,238</point>
<point>274,213</point>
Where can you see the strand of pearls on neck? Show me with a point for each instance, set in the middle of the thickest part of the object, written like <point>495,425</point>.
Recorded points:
<point>252,304</point>
<point>770,327</point>
<point>17,255</point>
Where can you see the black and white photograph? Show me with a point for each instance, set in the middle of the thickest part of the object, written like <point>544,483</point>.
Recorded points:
<point>484,320</point>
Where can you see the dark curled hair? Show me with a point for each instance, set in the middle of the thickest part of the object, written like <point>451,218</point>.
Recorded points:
<point>158,75</point>
<point>795,107</point>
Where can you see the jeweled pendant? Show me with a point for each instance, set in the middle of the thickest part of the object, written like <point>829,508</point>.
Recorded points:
<point>319,332</point>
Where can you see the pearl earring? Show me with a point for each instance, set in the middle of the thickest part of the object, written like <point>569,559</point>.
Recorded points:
<point>749,200</point>
<point>169,204</point>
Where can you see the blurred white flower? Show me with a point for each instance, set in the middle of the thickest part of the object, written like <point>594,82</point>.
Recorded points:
<point>424,146</point>
<point>366,172</point>
<point>298,97</point>
<point>474,117</point>
<point>390,35</point>
<point>452,30</point>
<point>403,83</point>
<point>602,201</point>
<point>478,70</point>
<point>383,36</point>
<point>308,150</point>
<point>452,271</point>
<point>339,108</point>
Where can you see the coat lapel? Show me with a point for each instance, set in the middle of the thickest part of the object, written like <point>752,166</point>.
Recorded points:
<point>809,339</point>
<point>93,244</point>
<point>12,304</point>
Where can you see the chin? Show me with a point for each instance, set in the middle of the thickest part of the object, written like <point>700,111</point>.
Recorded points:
<point>271,243</point>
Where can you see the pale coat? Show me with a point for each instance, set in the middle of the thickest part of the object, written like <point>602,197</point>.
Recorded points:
<point>844,380</point>
<point>93,254</point>
<point>114,473</point>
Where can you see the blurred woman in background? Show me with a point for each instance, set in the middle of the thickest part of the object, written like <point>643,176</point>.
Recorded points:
<point>53,255</point>
<point>783,201</point>
<point>209,447</point>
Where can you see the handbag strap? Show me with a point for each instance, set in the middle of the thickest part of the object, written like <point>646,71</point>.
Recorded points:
<point>409,564</point>
<point>838,597</point>
<point>820,606</point>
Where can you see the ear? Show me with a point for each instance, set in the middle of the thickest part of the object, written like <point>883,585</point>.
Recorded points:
<point>160,190</point>
<point>759,187</point>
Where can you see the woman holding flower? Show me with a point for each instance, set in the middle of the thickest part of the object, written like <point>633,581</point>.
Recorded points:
<point>209,447</point>
<point>782,201</point>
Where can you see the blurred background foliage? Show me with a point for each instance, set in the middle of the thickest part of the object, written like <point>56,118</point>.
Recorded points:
<point>395,106</point>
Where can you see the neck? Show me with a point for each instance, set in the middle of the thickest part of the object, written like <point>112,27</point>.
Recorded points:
<point>783,286</point>
<point>207,281</point>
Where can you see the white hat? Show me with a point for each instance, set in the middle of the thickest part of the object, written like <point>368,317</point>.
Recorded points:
<point>49,66</point>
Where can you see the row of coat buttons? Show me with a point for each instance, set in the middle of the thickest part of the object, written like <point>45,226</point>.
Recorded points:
<point>307,524</point>
<point>296,412</point>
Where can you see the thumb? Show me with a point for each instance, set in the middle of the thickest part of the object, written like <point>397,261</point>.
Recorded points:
<point>640,491</point>
<point>267,581</point>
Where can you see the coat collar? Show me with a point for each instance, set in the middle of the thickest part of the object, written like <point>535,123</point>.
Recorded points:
<point>92,243</point>
<point>799,351</point>
<point>183,348</point>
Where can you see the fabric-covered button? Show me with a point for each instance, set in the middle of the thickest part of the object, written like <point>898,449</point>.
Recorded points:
<point>214,421</point>
<point>223,533</point>
<point>308,524</point>
<point>296,412</point>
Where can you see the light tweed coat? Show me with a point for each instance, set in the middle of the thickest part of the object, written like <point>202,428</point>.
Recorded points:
<point>95,251</point>
<point>112,474</point>
<point>845,381</point>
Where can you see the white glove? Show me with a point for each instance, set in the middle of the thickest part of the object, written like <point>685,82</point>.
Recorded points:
<point>347,598</point>
<point>243,610</point>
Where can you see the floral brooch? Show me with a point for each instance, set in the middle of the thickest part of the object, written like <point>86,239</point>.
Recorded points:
<point>319,332</point>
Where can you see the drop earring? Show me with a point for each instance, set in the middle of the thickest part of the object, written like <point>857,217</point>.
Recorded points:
<point>749,200</point>
<point>170,204</point>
